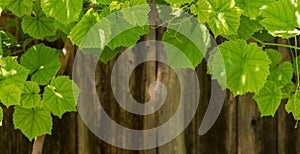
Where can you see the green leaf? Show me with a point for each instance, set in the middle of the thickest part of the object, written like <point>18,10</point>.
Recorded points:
<point>104,2</point>
<point>268,99</point>
<point>263,35</point>
<point>282,74</point>
<point>288,90</point>
<point>38,26</point>
<point>43,62</point>
<point>59,97</point>
<point>30,97</point>
<point>246,29</point>
<point>179,2</point>
<point>65,11</point>
<point>293,105</point>
<point>247,66</point>
<point>12,73</point>
<point>126,38</point>
<point>274,56</point>
<point>65,28</point>
<point>10,95</point>
<point>32,122</point>
<point>216,67</point>
<point>108,54</point>
<point>138,16</point>
<point>282,18</point>
<point>85,24</point>
<point>202,10</point>
<point>253,8</point>
<point>225,18</point>
<point>190,38</point>
<point>20,7</point>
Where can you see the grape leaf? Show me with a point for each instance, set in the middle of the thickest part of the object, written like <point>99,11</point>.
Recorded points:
<point>263,35</point>
<point>247,66</point>
<point>288,90</point>
<point>108,54</point>
<point>293,105</point>
<point>216,67</point>
<point>64,11</point>
<point>274,56</point>
<point>65,28</point>
<point>59,97</point>
<point>12,73</point>
<point>253,8</point>
<point>43,62</point>
<point>193,35</point>
<point>2,6</point>
<point>126,38</point>
<point>10,95</point>
<point>113,31</point>
<point>178,2</point>
<point>282,74</point>
<point>282,19</point>
<point>20,7</point>
<point>246,29</point>
<point>268,99</point>
<point>30,97</point>
<point>32,122</point>
<point>135,20</point>
<point>38,26</point>
<point>202,10</point>
<point>104,2</point>
<point>225,18</point>
<point>137,16</point>
<point>85,24</point>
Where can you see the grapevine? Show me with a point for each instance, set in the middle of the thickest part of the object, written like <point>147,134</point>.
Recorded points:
<point>32,83</point>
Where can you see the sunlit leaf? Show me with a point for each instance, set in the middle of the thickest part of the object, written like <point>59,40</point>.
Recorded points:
<point>253,8</point>
<point>246,29</point>
<point>282,74</point>
<point>84,25</point>
<point>282,18</point>
<point>179,2</point>
<point>20,7</point>
<point>202,10</point>
<point>32,122</point>
<point>43,63</point>
<point>268,99</point>
<point>12,73</point>
<point>38,26</point>
<point>225,17</point>
<point>247,66</point>
<point>30,97</point>
<point>274,56</point>
<point>65,11</point>
<point>293,105</point>
<point>10,95</point>
<point>59,97</point>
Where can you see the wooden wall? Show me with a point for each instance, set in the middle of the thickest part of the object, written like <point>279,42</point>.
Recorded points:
<point>239,128</point>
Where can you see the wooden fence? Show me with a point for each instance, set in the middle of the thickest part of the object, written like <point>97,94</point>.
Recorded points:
<point>239,128</point>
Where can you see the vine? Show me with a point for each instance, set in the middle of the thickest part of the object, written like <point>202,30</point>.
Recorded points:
<point>30,65</point>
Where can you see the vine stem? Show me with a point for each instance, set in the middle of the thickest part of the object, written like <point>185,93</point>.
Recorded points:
<point>38,145</point>
<point>275,44</point>
<point>297,74</point>
<point>297,66</point>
